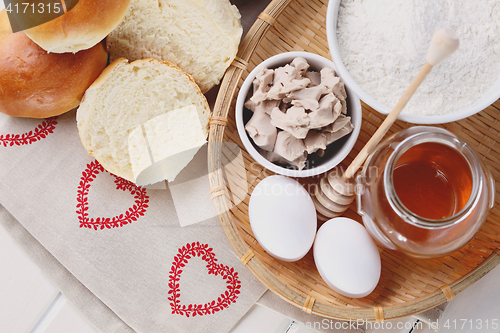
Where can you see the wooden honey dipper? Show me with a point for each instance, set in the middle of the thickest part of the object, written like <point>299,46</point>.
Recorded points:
<point>334,193</point>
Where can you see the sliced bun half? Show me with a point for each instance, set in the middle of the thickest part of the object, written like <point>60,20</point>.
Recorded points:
<point>143,121</point>
<point>201,37</point>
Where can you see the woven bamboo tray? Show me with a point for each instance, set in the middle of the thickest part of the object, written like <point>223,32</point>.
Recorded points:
<point>407,286</point>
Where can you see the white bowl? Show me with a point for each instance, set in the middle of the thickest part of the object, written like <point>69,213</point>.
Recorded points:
<point>334,154</point>
<point>331,31</point>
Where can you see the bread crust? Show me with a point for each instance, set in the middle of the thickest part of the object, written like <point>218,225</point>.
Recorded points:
<point>88,23</point>
<point>37,84</point>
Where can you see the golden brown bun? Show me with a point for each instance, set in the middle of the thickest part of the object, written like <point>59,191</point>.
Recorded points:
<point>37,84</point>
<point>89,22</point>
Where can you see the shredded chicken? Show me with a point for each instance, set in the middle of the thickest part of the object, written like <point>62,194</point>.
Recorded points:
<point>315,141</point>
<point>262,84</point>
<point>315,78</point>
<point>291,148</point>
<point>262,132</point>
<point>286,80</point>
<point>295,121</point>
<point>297,112</point>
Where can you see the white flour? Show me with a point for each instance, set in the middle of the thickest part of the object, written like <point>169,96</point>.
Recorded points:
<point>384,43</point>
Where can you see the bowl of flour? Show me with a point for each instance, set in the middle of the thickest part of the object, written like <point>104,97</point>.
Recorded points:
<point>379,46</point>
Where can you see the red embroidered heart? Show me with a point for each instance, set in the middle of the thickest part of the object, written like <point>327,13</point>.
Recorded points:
<point>40,132</point>
<point>229,274</point>
<point>132,214</point>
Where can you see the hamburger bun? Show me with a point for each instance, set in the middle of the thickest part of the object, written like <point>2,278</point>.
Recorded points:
<point>37,84</point>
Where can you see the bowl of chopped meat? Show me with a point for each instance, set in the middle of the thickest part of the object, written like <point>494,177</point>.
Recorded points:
<point>295,116</point>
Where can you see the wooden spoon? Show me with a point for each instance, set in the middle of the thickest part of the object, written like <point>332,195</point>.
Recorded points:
<point>443,43</point>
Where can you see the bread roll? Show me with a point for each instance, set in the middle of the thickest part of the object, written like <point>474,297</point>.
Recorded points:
<point>88,23</point>
<point>37,84</point>
<point>129,101</point>
<point>201,37</point>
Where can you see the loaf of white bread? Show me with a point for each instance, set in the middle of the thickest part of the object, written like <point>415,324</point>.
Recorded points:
<point>143,121</point>
<point>201,37</point>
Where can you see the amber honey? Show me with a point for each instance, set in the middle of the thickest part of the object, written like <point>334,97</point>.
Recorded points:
<point>424,192</point>
<point>432,180</point>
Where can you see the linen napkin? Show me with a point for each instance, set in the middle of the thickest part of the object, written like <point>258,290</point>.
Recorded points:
<point>121,242</point>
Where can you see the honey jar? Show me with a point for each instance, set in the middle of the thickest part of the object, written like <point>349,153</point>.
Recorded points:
<point>424,192</point>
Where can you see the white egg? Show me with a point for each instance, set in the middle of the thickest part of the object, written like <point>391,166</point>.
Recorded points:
<point>347,258</point>
<point>283,218</point>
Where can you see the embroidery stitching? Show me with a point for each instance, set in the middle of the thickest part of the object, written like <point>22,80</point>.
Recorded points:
<point>40,132</point>
<point>131,215</point>
<point>229,274</point>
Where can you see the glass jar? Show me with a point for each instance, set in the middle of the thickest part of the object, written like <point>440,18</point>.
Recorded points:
<point>396,227</point>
